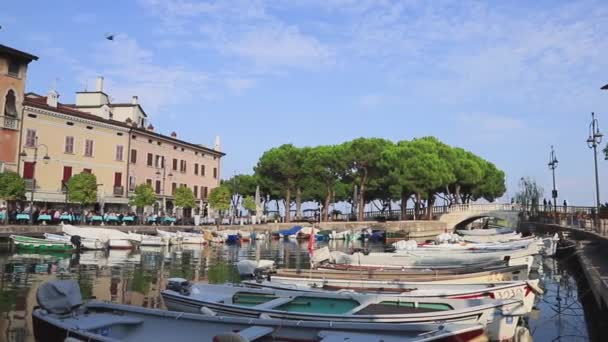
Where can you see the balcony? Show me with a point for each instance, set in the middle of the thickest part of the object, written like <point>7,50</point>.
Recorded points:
<point>29,184</point>
<point>119,190</point>
<point>10,122</point>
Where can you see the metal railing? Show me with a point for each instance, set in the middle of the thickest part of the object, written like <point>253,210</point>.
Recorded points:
<point>119,190</point>
<point>10,122</point>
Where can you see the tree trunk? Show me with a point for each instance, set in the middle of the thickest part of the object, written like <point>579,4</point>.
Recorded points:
<point>404,199</point>
<point>325,210</point>
<point>288,205</point>
<point>457,193</point>
<point>429,207</point>
<point>298,203</point>
<point>417,206</point>
<point>362,197</point>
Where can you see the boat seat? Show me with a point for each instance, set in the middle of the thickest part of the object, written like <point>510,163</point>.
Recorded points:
<point>96,321</point>
<point>274,303</point>
<point>249,334</point>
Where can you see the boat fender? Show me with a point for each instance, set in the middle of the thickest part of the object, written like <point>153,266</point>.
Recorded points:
<point>207,312</point>
<point>522,334</point>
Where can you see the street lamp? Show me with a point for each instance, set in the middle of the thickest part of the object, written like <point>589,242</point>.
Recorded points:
<point>45,159</point>
<point>594,139</point>
<point>164,176</point>
<point>553,165</point>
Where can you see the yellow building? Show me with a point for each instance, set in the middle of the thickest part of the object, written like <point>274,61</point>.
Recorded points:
<point>74,142</point>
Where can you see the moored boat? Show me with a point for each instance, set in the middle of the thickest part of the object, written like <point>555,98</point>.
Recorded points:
<point>85,243</point>
<point>62,315</point>
<point>485,232</point>
<point>29,243</point>
<point>525,290</point>
<point>499,316</point>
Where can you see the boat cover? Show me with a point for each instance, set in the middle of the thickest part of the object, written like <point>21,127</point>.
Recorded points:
<point>59,296</point>
<point>291,231</point>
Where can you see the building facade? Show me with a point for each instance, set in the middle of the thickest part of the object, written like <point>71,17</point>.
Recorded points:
<point>13,75</point>
<point>74,142</point>
<point>162,161</point>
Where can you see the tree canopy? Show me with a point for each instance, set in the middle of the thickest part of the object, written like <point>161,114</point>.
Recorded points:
<point>184,197</point>
<point>82,188</point>
<point>219,198</point>
<point>372,170</point>
<point>143,195</point>
<point>12,186</point>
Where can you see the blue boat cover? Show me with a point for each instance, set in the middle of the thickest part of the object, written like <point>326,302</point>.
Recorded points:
<point>291,231</point>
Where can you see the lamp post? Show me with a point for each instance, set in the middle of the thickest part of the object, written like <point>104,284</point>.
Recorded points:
<point>45,159</point>
<point>553,165</point>
<point>164,175</point>
<point>594,139</point>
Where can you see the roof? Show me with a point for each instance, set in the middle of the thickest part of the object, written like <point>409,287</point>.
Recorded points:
<point>24,56</point>
<point>177,141</point>
<point>73,105</point>
<point>40,102</point>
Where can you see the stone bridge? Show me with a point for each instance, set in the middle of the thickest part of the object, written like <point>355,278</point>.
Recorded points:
<point>459,215</point>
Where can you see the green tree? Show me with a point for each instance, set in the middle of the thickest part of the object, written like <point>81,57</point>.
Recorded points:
<point>281,166</point>
<point>364,163</point>
<point>249,204</point>
<point>12,188</point>
<point>82,189</point>
<point>529,194</point>
<point>219,199</point>
<point>184,197</point>
<point>143,196</point>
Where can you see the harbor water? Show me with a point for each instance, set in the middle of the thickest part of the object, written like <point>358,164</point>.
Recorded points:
<point>564,313</point>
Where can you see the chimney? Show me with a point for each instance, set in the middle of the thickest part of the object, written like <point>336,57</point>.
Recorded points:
<point>173,135</point>
<point>134,100</point>
<point>52,99</point>
<point>150,128</point>
<point>99,84</point>
<point>217,146</point>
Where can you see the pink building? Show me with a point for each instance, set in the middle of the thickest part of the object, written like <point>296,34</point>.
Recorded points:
<point>164,162</point>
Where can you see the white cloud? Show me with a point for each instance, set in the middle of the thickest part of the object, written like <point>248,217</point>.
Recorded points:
<point>238,85</point>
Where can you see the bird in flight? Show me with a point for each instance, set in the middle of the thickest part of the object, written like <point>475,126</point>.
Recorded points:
<point>109,36</point>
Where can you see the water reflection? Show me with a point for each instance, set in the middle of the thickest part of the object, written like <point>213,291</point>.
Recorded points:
<point>137,277</point>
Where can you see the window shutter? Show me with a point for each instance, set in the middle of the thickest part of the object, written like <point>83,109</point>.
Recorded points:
<point>28,170</point>
<point>117,179</point>
<point>133,156</point>
<point>67,173</point>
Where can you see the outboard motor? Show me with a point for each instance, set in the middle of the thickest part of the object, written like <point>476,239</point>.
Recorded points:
<point>179,285</point>
<point>76,240</point>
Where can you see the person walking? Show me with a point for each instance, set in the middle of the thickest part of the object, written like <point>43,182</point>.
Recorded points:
<point>544,204</point>
<point>565,206</point>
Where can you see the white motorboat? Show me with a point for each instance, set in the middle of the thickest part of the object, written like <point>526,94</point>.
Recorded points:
<point>114,238</point>
<point>485,232</point>
<point>62,316</point>
<point>499,316</point>
<point>147,240</point>
<point>86,243</point>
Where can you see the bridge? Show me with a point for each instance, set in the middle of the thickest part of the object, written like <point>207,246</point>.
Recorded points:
<point>459,215</point>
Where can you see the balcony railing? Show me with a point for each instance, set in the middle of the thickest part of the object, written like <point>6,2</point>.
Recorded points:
<point>119,190</point>
<point>29,184</point>
<point>10,122</point>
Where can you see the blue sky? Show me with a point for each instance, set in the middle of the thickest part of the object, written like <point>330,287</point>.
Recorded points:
<point>503,79</point>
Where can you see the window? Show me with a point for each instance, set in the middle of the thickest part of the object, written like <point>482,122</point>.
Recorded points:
<point>87,170</point>
<point>28,170</point>
<point>158,187</point>
<point>133,156</point>
<point>204,192</point>
<point>88,148</point>
<point>173,187</point>
<point>215,172</point>
<point>149,182</point>
<point>117,179</point>
<point>157,161</point>
<point>131,183</point>
<point>10,107</point>
<point>149,141</point>
<point>30,138</point>
<point>174,164</point>
<point>67,174</point>
<point>183,166</point>
<point>202,170</point>
<point>13,68</point>
<point>119,149</point>
<point>69,145</point>
<point>150,159</point>
<point>195,191</point>
<point>196,169</point>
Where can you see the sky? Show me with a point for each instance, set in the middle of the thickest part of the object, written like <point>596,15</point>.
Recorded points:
<point>503,79</point>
